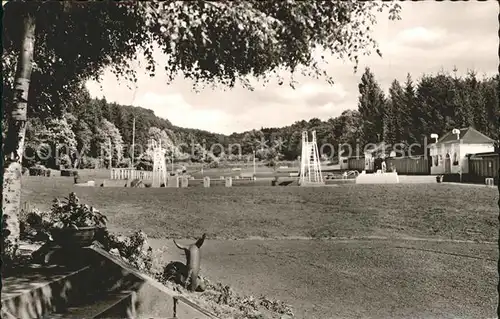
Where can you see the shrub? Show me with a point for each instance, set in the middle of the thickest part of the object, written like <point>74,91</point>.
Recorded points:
<point>124,163</point>
<point>134,249</point>
<point>39,170</point>
<point>89,162</point>
<point>65,161</point>
<point>144,165</point>
<point>35,225</point>
<point>214,164</point>
<point>271,163</point>
<point>248,306</point>
<point>66,172</point>
<point>72,214</point>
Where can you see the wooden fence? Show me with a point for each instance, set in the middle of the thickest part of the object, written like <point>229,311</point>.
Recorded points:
<point>356,163</point>
<point>416,165</point>
<point>128,173</point>
<point>482,166</point>
<point>410,165</point>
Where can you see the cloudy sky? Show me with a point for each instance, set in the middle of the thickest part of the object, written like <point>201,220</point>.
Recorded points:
<point>432,36</point>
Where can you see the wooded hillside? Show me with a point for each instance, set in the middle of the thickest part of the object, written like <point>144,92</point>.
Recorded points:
<point>406,114</point>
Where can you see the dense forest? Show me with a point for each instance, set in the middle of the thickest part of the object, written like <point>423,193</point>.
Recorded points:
<point>405,115</point>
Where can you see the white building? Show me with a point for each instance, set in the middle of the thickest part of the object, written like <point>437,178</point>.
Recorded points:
<point>448,154</point>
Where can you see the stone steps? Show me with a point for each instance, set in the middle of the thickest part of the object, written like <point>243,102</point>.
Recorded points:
<point>113,305</point>
<point>37,290</point>
<point>90,283</point>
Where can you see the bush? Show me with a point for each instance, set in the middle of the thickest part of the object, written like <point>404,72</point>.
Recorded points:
<point>144,165</point>
<point>134,249</point>
<point>39,171</point>
<point>67,172</point>
<point>65,161</point>
<point>30,159</point>
<point>214,164</point>
<point>89,163</point>
<point>72,214</point>
<point>124,163</point>
<point>35,225</point>
<point>271,163</point>
<point>247,306</point>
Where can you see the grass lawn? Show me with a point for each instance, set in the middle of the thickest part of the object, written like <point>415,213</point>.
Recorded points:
<point>399,210</point>
<point>346,279</point>
<point>363,277</point>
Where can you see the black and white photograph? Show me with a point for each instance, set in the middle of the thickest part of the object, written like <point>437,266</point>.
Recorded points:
<point>250,159</point>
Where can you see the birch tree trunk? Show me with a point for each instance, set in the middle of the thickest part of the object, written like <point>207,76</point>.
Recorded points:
<point>14,143</point>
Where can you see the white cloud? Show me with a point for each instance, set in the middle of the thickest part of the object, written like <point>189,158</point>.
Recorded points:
<point>311,89</point>
<point>418,36</point>
<point>180,113</point>
<point>328,107</point>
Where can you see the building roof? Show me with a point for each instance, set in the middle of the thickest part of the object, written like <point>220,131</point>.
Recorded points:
<point>467,135</point>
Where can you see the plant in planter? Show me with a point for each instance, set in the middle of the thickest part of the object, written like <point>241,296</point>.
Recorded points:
<point>75,224</point>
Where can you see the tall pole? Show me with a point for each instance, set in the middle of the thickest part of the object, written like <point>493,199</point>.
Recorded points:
<point>203,163</point>
<point>133,142</point>
<point>254,163</point>
<point>172,162</point>
<point>110,154</point>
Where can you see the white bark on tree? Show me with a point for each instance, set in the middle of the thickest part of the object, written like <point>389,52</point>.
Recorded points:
<point>14,143</point>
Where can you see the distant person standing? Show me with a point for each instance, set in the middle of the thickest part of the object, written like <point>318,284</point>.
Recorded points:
<point>384,166</point>
<point>392,168</point>
<point>377,164</point>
